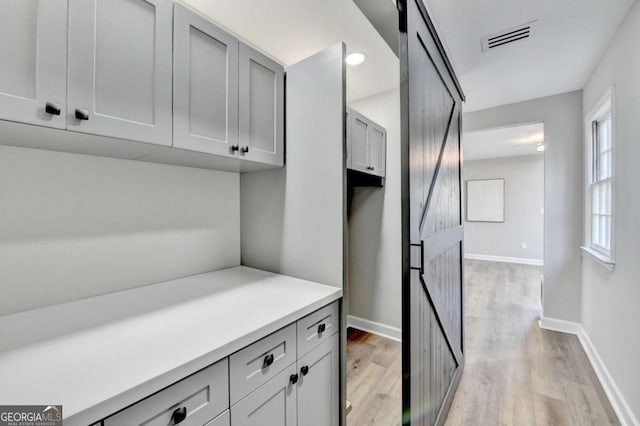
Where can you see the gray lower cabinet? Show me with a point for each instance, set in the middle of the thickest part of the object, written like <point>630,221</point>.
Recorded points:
<point>205,85</point>
<point>306,393</point>
<point>223,419</point>
<point>319,385</point>
<point>366,145</point>
<point>272,404</point>
<point>192,401</point>
<point>261,98</point>
<point>33,56</point>
<point>119,72</point>
<point>279,380</point>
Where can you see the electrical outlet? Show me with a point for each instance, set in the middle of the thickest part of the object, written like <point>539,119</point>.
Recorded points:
<point>524,246</point>
<point>541,210</point>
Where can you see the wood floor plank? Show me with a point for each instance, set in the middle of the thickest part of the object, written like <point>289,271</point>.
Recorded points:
<point>515,373</point>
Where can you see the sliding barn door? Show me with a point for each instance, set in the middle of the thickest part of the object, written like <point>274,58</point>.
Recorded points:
<point>432,222</point>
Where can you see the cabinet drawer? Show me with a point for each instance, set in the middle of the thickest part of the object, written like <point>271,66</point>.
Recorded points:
<point>204,395</point>
<point>223,419</point>
<point>317,327</point>
<point>259,362</point>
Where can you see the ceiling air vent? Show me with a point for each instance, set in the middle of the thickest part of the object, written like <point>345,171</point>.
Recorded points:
<point>507,37</point>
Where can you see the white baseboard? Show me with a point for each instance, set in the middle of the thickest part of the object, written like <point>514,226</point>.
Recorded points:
<point>561,326</point>
<point>376,328</point>
<point>523,261</point>
<point>617,400</point>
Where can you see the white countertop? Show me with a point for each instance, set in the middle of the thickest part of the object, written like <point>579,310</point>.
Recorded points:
<point>96,356</point>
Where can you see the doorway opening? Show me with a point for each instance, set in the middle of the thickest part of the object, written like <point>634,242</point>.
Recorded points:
<point>504,202</point>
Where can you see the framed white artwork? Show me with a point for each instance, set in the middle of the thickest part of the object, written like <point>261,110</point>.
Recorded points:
<point>485,200</point>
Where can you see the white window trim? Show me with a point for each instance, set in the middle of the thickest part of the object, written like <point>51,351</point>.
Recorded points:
<point>607,102</point>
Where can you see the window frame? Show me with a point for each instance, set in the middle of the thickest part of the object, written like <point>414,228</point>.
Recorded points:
<point>605,107</point>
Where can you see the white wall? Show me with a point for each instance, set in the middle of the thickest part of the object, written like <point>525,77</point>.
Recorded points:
<point>523,221</point>
<point>562,118</point>
<point>610,313</point>
<point>375,241</point>
<point>75,226</point>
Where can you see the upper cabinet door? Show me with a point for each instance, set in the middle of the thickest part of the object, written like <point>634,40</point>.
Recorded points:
<point>120,69</point>
<point>377,140</point>
<point>261,107</point>
<point>205,86</point>
<point>357,156</point>
<point>33,62</point>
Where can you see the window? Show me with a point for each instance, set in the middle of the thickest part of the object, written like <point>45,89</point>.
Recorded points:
<point>599,181</point>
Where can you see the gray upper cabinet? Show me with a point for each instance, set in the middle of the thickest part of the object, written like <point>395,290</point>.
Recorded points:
<point>358,129</point>
<point>377,146</point>
<point>319,385</point>
<point>33,56</point>
<point>205,79</point>
<point>366,145</point>
<point>261,111</point>
<point>119,77</point>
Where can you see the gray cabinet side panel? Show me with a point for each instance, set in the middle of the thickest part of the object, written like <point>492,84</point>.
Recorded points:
<point>292,219</point>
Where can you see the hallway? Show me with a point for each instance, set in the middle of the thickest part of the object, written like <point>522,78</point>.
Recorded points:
<point>515,373</point>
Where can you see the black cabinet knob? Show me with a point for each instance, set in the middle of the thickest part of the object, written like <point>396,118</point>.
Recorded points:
<point>293,379</point>
<point>51,108</point>
<point>321,328</point>
<point>234,148</point>
<point>268,360</point>
<point>304,370</point>
<point>370,168</point>
<point>244,149</point>
<point>82,114</point>
<point>179,415</point>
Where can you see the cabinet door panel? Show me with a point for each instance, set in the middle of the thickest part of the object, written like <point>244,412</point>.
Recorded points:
<point>261,107</point>
<point>357,140</point>
<point>319,390</point>
<point>205,80</point>
<point>377,148</point>
<point>33,57</point>
<point>120,68</point>
<point>272,404</point>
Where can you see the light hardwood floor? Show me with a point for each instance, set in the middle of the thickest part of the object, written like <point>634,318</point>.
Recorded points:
<point>515,373</point>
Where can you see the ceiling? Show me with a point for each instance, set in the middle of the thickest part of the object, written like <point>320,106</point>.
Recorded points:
<point>291,30</point>
<point>503,142</point>
<point>570,38</point>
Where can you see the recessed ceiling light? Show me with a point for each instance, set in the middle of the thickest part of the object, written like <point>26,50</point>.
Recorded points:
<point>540,147</point>
<point>355,58</point>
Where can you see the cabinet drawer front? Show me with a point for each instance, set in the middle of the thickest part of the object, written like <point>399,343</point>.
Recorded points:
<point>204,395</point>
<point>223,419</point>
<point>272,404</point>
<point>317,327</point>
<point>255,364</point>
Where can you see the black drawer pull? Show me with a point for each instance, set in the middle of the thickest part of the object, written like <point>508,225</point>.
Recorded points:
<point>179,415</point>
<point>293,379</point>
<point>321,328</point>
<point>244,149</point>
<point>234,148</point>
<point>304,370</point>
<point>268,360</point>
<point>51,108</point>
<point>82,114</point>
